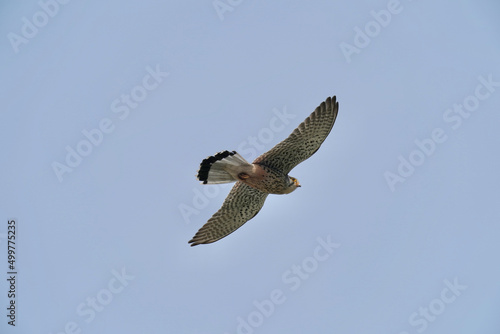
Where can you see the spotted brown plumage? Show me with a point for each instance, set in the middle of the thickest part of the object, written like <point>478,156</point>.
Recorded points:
<point>304,141</point>
<point>241,204</point>
<point>268,174</point>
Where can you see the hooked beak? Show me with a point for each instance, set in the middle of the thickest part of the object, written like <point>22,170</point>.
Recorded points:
<point>297,184</point>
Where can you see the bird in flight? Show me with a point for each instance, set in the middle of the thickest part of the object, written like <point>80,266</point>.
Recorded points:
<point>268,174</point>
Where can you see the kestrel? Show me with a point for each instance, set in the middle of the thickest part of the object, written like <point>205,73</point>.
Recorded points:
<point>268,174</point>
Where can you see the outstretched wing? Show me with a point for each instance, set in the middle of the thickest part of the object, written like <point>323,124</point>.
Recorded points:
<point>304,141</point>
<point>241,204</point>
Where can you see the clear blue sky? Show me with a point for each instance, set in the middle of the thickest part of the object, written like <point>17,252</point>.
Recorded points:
<point>108,109</point>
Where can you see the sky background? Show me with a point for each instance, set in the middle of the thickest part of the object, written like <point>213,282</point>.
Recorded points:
<point>405,187</point>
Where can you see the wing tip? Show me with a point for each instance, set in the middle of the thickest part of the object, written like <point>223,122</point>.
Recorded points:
<point>198,239</point>
<point>201,238</point>
<point>194,242</point>
<point>332,101</point>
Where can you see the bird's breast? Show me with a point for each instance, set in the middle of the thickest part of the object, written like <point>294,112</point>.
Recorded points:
<point>266,179</point>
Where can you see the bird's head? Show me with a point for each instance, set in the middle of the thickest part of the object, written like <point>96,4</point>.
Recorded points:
<point>293,184</point>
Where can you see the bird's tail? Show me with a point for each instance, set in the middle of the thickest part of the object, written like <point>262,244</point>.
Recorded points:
<point>223,167</point>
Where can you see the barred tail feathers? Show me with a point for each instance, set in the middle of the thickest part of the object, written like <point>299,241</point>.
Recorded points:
<point>222,168</point>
